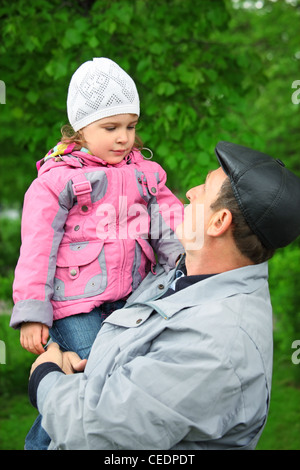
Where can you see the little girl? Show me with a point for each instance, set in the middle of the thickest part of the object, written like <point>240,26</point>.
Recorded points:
<point>93,218</point>
<point>91,222</point>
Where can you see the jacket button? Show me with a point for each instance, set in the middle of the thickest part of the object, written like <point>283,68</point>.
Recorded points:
<point>138,321</point>
<point>76,228</point>
<point>161,286</point>
<point>84,208</point>
<point>153,190</point>
<point>73,272</point>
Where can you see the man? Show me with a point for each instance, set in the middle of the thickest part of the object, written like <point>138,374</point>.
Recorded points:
<point>187,363</point>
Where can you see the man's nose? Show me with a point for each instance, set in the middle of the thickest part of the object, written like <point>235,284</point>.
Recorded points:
<point>192,193</point>
<point>189,194</point>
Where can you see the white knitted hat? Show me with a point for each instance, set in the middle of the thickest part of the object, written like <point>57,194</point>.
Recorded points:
<point>98,89</point>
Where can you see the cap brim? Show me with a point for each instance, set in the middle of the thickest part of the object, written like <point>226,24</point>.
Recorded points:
<point>236,159</point>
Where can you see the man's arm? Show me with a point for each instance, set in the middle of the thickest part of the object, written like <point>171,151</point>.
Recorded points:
<point>152,402</point>
<point>52,360</point>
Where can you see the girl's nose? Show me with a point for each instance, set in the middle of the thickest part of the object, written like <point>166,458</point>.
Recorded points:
<point>122,137</point>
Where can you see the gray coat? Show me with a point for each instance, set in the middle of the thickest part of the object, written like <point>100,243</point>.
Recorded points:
<point>191,371</point>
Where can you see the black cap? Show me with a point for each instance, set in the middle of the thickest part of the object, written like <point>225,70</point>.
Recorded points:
<point>267,192</point>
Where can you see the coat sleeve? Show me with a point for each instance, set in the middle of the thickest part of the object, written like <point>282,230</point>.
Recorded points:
<point>42,229</point>
<point>166,213</point>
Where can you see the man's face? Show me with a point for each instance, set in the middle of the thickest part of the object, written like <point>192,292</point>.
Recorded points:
<point>198,213</point>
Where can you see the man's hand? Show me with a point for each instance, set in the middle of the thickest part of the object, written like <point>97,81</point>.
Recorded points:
<point>72,363</point>
<point>53,354</point>
<point>68,361</point>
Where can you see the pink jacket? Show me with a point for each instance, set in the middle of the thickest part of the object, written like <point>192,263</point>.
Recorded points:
<point>89,233</point>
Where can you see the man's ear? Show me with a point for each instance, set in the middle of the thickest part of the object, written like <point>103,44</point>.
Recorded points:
<point>219,223</point>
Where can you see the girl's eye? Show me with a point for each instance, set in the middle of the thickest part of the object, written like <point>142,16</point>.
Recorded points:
<point>110,129</point>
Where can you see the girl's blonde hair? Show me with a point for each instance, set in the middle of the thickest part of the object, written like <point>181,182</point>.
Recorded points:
<point>69,136</point>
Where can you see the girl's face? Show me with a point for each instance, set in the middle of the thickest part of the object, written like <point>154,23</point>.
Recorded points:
<point>112,138</point>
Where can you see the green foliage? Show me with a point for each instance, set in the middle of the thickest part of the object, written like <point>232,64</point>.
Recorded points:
<point>16,413</point>
<point>15,372</point>
<point>6,286</point>
<point>16,418</point>
<point>285,291</point>
<point>9,242</point>
<point>10,245</point>
<point>187,74</point>
<point>203,74</point>
<point>283,425</point>
<point>273,117</point>
<point>205,70</point>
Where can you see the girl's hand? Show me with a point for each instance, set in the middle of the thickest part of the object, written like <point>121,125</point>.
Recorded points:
<point>33,336</point>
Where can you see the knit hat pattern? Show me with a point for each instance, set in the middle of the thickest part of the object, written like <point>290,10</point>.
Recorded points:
<point>100,88</point>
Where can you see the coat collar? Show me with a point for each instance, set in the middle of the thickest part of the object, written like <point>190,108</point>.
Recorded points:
<point>220,286</point>
<point>78,159</point>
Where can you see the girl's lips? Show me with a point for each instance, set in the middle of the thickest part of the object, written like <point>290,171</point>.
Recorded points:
<point>119,152</point>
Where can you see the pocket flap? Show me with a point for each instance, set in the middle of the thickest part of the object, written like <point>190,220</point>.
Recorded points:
<point>78,254</point>
<point>152,183</point>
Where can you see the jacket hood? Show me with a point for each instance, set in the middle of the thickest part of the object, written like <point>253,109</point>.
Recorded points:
<point>65,155</point>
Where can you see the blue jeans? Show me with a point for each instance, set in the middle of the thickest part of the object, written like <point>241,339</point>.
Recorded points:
<point>75,333</point>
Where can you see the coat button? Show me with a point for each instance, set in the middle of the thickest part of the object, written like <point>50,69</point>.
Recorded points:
<point>161,286</point>
<point>73,272</point>
<point>153,190</point>
<point>84,208</point>
<point>76,228</point>
<point>138,321</point>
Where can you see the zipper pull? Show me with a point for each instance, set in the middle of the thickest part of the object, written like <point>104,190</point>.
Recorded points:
<point>142,180</point>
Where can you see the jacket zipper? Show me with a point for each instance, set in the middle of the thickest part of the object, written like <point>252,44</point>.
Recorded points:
<point>143,181</point>
<point>121,207</point>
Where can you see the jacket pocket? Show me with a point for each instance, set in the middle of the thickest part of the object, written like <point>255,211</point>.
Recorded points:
<point>144,260</point>
<point>80,271</point>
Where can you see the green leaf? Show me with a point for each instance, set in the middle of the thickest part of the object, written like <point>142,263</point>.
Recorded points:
<point>165,88</point>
